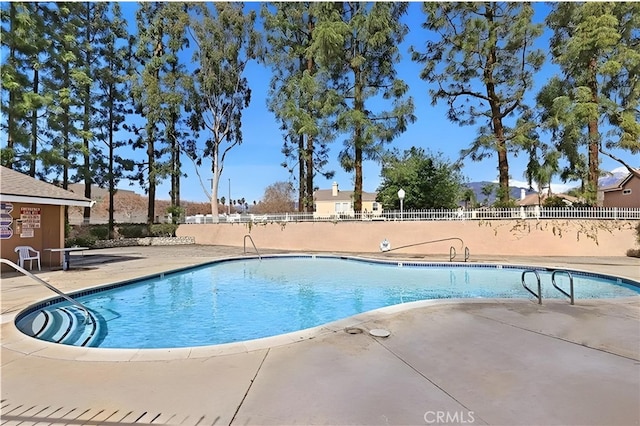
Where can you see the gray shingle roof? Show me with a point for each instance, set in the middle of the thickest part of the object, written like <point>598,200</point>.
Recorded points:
<point>16,184</point>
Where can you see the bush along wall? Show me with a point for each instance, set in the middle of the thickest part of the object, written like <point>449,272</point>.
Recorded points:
<point>128,234</point>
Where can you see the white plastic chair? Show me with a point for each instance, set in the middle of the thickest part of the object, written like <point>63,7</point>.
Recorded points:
<point>28,253</point>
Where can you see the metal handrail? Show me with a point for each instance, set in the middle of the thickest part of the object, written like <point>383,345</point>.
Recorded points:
<point>254,245</point>
<point>524,284</point>
<point>50,287</point>
<point>466,254</point>
<point>553,281</point>
<point>452,253</point>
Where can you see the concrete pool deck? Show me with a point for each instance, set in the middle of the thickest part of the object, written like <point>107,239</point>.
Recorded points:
<point>495,361</point>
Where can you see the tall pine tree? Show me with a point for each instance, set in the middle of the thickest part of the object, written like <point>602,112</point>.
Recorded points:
<point>482,63</point>
<point>357,43</point>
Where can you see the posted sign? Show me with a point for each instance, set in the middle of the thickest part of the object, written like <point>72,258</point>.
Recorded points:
<point>6,220</point>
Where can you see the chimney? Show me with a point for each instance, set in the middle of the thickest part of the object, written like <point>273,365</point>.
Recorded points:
<point>523,194</point>
<point>334,189</point>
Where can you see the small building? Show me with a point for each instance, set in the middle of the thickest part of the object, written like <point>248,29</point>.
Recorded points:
<point>32,214</point>
<point>626,193</point>
<point>336,203</point>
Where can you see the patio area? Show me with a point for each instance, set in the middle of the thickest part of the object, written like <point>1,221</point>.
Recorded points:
<point>489,361</point>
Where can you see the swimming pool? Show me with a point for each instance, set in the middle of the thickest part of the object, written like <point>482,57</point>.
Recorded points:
<point>243,299</point>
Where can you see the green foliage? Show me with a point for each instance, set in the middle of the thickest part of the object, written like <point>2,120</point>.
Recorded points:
<point>133,230</point>
<point>596,46</point>
<point>554,201</point>
<point>358,44</point>
<point>100,232</point>
<point>176,212</point>
<point>163,230</point>
<point>81,240</point>
<point>429,181</point>
<point>481,63</point>
<point>503,202</point>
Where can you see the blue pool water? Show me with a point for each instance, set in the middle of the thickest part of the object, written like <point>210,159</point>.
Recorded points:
<point>245,299</point>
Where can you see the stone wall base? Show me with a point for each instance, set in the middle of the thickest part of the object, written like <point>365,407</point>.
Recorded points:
<point>146,241</point>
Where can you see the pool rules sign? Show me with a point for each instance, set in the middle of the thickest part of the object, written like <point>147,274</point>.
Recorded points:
<point>6,220</point>
<point>30,218</point>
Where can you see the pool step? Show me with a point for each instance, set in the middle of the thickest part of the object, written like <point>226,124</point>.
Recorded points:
<point>67,325</point>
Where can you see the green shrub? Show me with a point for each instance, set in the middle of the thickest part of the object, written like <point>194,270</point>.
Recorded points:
<point>554,201</point>
<point>163,230</point>
<point>82,241</point>
<point>133,230</point>
<point>101,232</point>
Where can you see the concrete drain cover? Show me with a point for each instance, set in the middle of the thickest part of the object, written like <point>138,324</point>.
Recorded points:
<point>379,332</point>
<point>353,330</point>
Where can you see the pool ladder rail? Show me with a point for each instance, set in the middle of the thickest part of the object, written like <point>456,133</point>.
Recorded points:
<point>81,327</point>
<point>538,295</point>
<point>252,243</point>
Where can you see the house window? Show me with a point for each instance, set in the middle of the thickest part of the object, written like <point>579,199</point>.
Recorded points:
<point>626,191</point>
<point>375,207</point>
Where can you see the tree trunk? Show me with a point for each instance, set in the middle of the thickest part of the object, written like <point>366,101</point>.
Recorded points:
<point>34,125</point>
<point>496,124</point>
<point>302,174</point>
<point>215,169</point>
<point>594,137</point>
<point>358,106</point>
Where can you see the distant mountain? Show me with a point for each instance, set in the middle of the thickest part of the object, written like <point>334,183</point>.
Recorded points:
<point>613,177</point>
<point>514,191</point>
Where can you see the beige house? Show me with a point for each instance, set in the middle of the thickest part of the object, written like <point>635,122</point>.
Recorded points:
<point>336,203</point>
<point>625,193</point>
<point>537,199</point>
<point>32,214</point>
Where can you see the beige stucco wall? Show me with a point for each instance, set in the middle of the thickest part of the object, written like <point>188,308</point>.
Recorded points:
<point>508,237</point>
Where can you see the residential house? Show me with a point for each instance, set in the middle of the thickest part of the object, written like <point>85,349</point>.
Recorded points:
<point>336,203</point>
<point>32,214</point>
<point>626,193</point>
<point>537,199</point>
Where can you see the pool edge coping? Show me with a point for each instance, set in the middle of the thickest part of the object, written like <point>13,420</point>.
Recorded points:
<point>30,346</point>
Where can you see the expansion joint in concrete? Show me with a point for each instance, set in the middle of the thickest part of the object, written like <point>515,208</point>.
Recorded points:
<point>249,387</point>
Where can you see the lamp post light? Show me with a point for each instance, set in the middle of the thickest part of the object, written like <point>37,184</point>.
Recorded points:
<point>401,195</point>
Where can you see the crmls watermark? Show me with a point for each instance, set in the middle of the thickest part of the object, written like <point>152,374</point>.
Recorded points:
<point>442,417</point>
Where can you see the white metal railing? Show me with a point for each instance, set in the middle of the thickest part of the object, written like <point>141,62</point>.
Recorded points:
<point>606,213</point>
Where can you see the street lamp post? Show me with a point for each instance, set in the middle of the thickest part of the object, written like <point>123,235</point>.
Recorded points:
<point>401,195</point>
<point>229,197</point>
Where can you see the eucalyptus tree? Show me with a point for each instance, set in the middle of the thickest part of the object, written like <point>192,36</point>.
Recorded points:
<point>23,37</point>
<point>225,42</point>
<point>597,46</point>
<point>161,35</point>
<point>299,96</point>
<point>481,62</point>
<point>357,43</point>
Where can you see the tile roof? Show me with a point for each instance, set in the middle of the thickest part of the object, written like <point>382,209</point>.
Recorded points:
<point>16,184</point>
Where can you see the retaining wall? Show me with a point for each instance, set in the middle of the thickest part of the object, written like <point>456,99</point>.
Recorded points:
<point>146,241</point>
<point>527,237</point>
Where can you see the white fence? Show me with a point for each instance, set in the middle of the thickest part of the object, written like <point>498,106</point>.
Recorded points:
<point>610,213</point>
